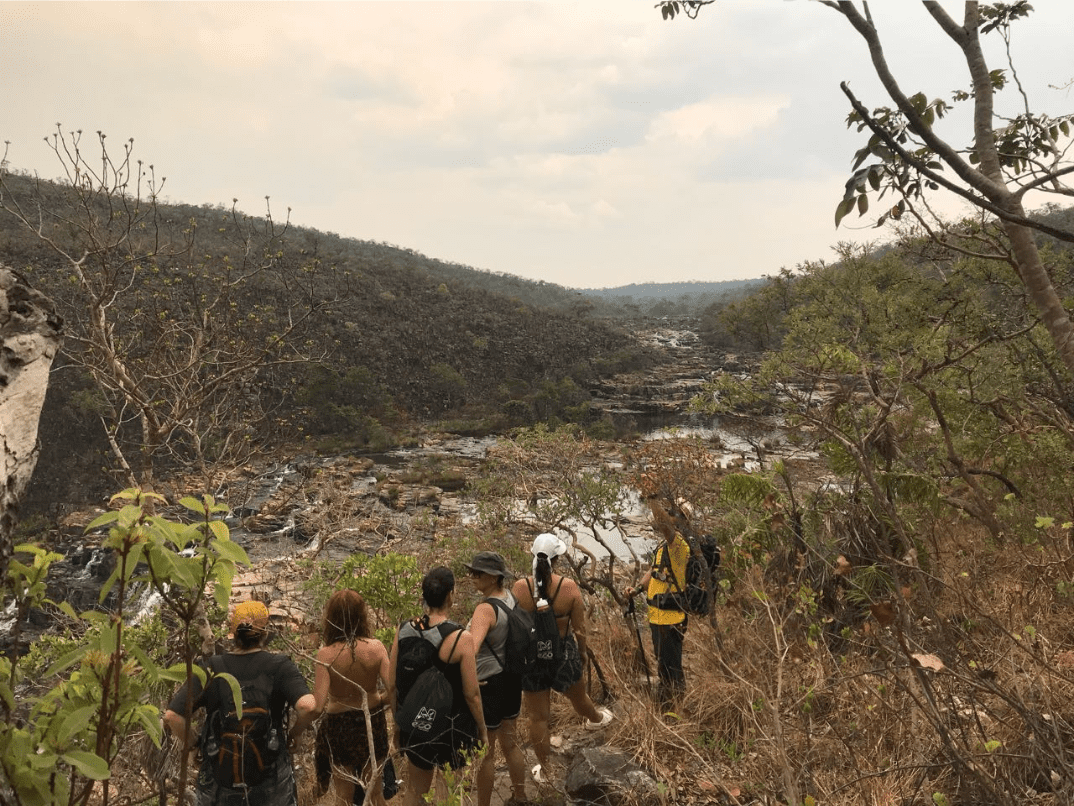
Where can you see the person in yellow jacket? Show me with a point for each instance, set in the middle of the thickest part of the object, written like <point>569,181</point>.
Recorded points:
<point>665,578</point>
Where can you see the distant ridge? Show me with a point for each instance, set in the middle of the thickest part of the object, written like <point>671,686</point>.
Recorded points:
<point>690,288</point>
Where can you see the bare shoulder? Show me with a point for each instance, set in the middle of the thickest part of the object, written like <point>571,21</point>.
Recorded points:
<point>327,654</point>
<point>456,645</point>
<point>569,588</point>
<point>521,592</point>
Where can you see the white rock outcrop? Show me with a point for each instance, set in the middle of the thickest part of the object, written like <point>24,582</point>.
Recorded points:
<point>30,336</point>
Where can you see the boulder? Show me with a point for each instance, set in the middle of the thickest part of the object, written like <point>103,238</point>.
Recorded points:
<point>605,777</point>
<point>30,335</point>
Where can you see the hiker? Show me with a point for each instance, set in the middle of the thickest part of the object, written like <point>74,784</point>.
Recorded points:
<point>349,665</point>
<point>271,684</point>
<point>454,656</point>
<point>665,578</point>
<point>501,690</point>
<point>546,590</point>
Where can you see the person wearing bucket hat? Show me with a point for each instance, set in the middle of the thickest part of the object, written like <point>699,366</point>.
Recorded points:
<point>547,591</point>
<point>267,675</point>
<point>501,690</point>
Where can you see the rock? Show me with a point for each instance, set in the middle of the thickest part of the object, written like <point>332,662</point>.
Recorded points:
<point>30,335</point>
<point>603,777</point>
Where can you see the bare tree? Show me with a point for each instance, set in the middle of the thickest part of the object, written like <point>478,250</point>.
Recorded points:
<point>172,326</point>
<point>1006,158</point>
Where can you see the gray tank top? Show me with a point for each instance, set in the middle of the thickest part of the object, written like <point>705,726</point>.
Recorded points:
<point>487,665</point>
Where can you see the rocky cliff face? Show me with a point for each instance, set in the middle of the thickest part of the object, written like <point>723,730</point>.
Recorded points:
<point>29,339</point>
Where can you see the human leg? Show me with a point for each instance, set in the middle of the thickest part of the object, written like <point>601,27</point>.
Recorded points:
<point>667,646</point>
<point>538,705</point>
<point>486,773</point>
<point>583,706</point>
<point>342,788</point>
<point>516,760</point>
<point>418,781</point>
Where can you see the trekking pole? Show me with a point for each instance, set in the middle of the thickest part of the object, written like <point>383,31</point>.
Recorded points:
<point>630,613</point>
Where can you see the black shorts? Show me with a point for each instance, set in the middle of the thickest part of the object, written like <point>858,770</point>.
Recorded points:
<point>563,676</point>
<point>448,749</point>
<point>501,698</point>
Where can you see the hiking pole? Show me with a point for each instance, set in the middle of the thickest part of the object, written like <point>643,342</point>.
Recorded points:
<point>630,613</point>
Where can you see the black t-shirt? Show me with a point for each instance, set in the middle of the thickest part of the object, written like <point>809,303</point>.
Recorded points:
<point>288,685</point>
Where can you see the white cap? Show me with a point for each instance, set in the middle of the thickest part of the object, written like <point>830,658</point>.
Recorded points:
<point>549,545</point>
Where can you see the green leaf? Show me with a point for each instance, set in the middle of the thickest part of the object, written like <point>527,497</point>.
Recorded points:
<point>149,716</point>
<point>236,692</point>
<point>92,766</point>
<point>845,206</point>
<point>219,528</point>
<point>161,562</point>
<point>222,592</point>
<point>75,722</point>
<point>66,662</point>
<point>193,504</point>
<point>230,550</point>
<point>108,517</point>
<point>863,204</point>
<point>1044,522</point>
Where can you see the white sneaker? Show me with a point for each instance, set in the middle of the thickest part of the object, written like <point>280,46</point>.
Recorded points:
<point>606,717</point>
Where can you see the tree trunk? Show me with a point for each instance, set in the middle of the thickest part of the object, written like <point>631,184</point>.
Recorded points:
<point>30,335</point>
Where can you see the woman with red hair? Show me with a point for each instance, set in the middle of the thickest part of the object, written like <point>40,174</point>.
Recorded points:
<point>349,666</point>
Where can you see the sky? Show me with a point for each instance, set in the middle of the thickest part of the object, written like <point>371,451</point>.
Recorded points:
<point>587,143</point>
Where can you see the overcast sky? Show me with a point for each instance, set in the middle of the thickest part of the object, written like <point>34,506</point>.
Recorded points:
<point>587,143</point>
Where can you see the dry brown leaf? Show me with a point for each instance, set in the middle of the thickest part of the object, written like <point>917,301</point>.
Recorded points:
<point>928,661</point>
<point>883,612</point>
<point>843,566</point>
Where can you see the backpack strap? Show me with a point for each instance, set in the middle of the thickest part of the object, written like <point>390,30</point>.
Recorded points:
<point>531,584</point>
<point>665,564</point>
<point>443,635</point>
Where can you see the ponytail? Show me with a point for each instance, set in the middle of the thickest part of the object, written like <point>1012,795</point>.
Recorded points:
<point>542,576</point>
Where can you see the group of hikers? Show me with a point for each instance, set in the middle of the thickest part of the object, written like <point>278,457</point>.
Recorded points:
<point>452,689</point>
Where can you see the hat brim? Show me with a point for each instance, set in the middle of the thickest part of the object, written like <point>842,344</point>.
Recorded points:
<point>496,572</point>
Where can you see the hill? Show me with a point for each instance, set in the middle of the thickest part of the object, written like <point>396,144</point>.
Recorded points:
<point>328,338</point>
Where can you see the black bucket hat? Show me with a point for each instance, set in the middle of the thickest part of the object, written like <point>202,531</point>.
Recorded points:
<point>489,562</point>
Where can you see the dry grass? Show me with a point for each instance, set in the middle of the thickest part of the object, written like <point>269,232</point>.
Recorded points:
<point>966,695</point>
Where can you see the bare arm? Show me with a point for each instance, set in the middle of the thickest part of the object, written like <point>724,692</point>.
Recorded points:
<point>462,653</point>
<point>393,666</point>
<point>322,679</point>
<point>483,620</point>
<point>180,728</point>
<point>306,710</point>
<point>643,583</point>
<point>578,625</point>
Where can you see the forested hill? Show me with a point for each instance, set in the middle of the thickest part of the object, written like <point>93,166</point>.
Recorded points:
<point>666,299</point>
<point>230,325</point>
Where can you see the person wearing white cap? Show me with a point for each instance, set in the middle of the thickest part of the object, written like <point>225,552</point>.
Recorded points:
<point>546,590</point>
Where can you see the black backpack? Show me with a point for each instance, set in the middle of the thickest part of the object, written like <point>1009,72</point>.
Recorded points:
<point>242,751</point>
<point>549,643</point>
<point>520,648</point>
<point>425,695</point>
